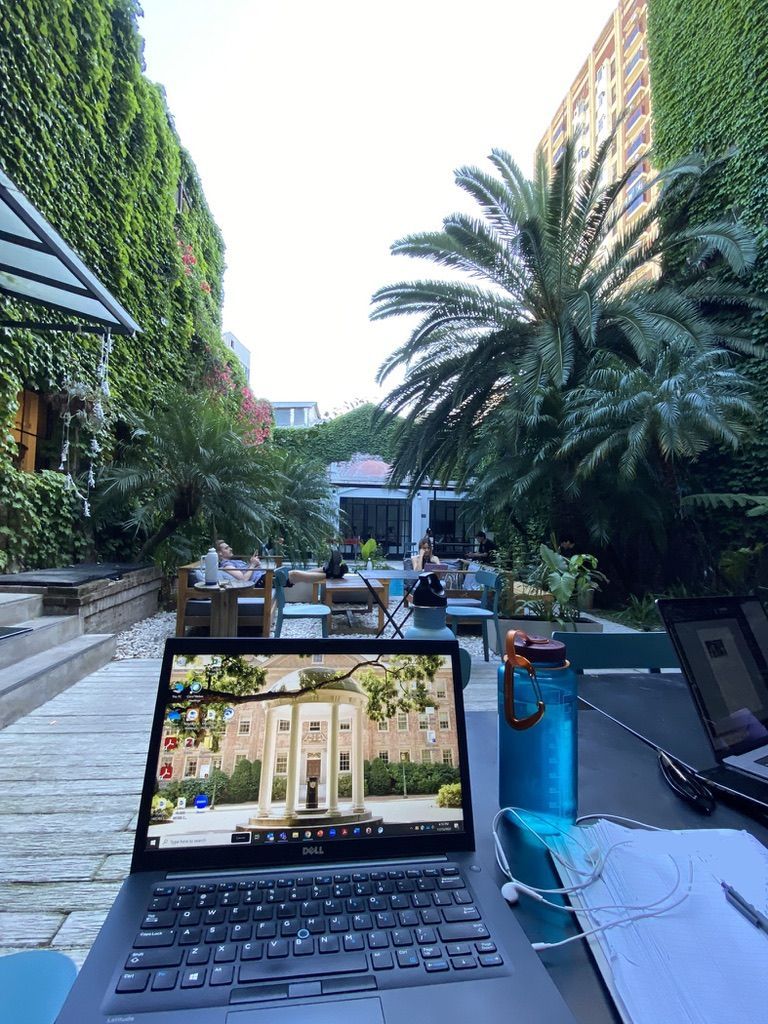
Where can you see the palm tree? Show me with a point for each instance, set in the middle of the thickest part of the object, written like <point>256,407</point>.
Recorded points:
<point>190,466</point>
<point>545,289</point>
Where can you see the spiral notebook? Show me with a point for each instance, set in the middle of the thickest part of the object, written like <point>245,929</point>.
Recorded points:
<point>701,962</point>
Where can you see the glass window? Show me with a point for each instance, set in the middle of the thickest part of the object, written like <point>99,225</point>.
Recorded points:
<point>384,756</point>
<point>444,720</point>
<point>284,725</point>
<point>345,725</point>
<point>281,764</point>
<point>318,659</point>
<point>384,726</point>
<point>244,727</point>
<point>215,764</point>
<point>344,761</point>
<point>448,757</point>
<point>426,756</point>
<point>405,755</point>
<point>423,722</point>
<point>314,726</point>
<point>190,768</point>
<point>240,757</point>
<point>440,690</point>
<point>402,722</point>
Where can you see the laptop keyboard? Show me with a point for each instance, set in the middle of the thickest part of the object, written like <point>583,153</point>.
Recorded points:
<point>223,937</point>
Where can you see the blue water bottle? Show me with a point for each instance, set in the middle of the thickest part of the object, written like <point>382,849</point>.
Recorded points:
<point>538,731</point>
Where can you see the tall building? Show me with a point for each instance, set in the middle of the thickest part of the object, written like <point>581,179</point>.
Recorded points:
<point>614,78</point>
<point>242,353</point>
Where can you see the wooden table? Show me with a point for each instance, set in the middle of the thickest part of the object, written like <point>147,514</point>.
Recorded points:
<point>224,605</point>
<point>351,585</point>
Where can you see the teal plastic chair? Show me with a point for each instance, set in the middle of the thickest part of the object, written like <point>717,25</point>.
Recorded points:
<point>652,651</point>
<point>34,985</point>
<point>298,610</point>
<point>488,611</point>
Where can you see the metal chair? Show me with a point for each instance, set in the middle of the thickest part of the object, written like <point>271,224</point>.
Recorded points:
<point>35,984</point>
<point>488,611</point>
<point>297,610</point>
<point>653,651</point>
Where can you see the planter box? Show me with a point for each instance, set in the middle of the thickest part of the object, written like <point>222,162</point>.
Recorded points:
<point>543,627</point>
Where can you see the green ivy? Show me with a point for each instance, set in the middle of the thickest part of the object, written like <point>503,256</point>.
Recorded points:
<point>709,75</point>
<point>91,143</point>
<point>39,521</point>
<point>337,440</point>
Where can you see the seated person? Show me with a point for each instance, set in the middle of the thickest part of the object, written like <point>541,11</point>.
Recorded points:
<point>252,571</point>
<point>423,556</point>
<point>485,548</point>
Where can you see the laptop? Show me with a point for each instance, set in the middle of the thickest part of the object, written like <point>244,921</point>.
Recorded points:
<point>722,645</point>
<point>305,850</point>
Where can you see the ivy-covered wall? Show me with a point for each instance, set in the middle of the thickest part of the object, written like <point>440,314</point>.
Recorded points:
<point>91,143</point>
<point>89,140</point>
<point>337,440</point>
<point>709,76</point>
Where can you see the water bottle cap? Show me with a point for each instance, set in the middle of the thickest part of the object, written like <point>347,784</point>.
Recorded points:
<point>538,649</point>
<point>429,592</point>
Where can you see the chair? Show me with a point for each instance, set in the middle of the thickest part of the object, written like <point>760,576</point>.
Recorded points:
<point>297,610</point>
<point>255,606</point>
<point>490,582</point>
<point>653,651</point>
<point>34,985</point>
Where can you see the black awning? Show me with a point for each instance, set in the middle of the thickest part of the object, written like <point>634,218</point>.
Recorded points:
<point>37,265</point>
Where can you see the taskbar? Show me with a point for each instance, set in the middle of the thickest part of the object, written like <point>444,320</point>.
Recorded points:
<point>251,837</point>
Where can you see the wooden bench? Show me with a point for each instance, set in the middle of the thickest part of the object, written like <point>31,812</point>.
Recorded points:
<point>256,605</point>
<point>339,591</point>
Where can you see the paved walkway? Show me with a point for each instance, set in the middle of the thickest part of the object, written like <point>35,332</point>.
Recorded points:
<point>70,777</point>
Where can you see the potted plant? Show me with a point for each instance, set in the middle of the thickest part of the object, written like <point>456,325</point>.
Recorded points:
<point>553,596</point>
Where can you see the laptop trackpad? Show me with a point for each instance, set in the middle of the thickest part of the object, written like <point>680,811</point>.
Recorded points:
<point>350,1011</point>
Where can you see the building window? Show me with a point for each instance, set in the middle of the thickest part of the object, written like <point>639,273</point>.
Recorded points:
<point>405,756</point>
<point>423,723</point>
<point>314,726</point>
<point>190,768</point>
<point>384,726</point>
<point>345,725</point>
<point>244,727</point>
<point>426,756</point>
<point>636,144</point>
<point>344,761</point>
<point>281,764</point>
<point>240,757</point>
<point>402,722</point>
<point>215,764</point>
<point>444,720</point>
<point>283,725</point>
<point>440,691</point>
<point>633,118</point>
<point>318,659</point>
<point>28,427</point>
<point>384,756</point>
<point>635,206</point>
<point>448,757</point>
<point>633,63</point>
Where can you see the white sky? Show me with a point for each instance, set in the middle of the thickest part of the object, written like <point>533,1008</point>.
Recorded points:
<point>324,131</point>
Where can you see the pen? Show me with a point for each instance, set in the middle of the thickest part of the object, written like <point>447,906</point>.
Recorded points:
<point>745,909</point>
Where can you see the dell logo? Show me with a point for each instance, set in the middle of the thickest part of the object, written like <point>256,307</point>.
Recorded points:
<point>312,851</point>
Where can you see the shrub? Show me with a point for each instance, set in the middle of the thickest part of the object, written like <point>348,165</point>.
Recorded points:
<point>379,778</point>
<point>450,795</point>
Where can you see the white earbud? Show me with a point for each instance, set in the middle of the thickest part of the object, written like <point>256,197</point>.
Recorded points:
<point>509,892</point>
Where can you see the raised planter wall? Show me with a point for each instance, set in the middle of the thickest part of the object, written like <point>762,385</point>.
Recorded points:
<point>104,606</point>
<point>543,627</point>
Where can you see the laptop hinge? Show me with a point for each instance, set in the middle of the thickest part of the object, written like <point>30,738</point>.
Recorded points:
<point>308,866</point>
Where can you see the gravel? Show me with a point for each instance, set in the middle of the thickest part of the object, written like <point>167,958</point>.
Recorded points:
<point>146,639</point>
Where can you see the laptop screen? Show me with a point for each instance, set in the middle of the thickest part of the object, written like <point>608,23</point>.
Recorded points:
<point>722,644</point>
<point>263,745</point>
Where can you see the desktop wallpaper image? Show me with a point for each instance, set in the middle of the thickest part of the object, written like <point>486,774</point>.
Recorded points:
<point>287,748</point>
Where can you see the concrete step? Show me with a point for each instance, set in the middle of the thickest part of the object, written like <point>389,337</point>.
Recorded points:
<point>27,684</point>
<point>19,607</point>
<point>46,632</point>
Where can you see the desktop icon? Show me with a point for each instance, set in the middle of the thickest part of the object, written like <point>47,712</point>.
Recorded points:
<point>320,833</point>
<point>283,836</point>
<point>356,830</point>
<point>380,829</point>
<point>307,834</point>
<point>201,801</point>
<point>368,831</point>
<point>192,714</point>
<point>345,831</point>
<point>270,837</point>
<point>331,832</point>
<point>178,687</point>
<point>210,715</point>
<point>166,772</point>
<point>294,835</point>
<point>174,715</point>
<point>170,743</point>
<point>195,687</point>
<point>229,712</point>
